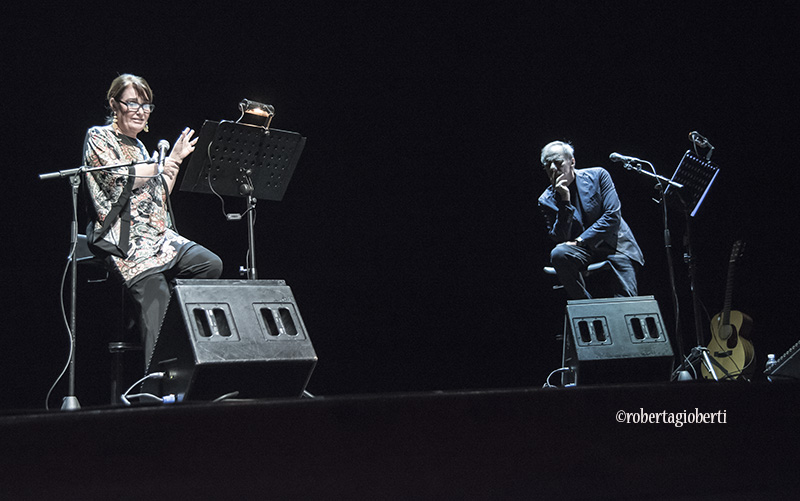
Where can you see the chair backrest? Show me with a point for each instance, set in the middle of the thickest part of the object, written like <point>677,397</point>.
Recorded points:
<point>82,251</point>
<point>98,266</point>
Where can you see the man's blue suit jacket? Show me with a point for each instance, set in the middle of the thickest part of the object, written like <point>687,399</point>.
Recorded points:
<point>599,222</point>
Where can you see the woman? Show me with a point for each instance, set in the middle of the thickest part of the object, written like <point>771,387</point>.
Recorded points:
<point>131,219</point>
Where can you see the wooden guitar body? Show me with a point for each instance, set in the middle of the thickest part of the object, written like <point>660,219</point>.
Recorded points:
<point>730,351</point>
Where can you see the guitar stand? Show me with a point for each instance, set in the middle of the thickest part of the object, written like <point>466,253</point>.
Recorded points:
<point>708,362</point>
<point>698,352</point>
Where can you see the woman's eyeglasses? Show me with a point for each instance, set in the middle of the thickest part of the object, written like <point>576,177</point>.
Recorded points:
<point>134,106</point>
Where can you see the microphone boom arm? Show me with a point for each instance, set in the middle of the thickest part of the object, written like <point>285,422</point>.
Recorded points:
<point>638,168</point>
<point>86,168</point>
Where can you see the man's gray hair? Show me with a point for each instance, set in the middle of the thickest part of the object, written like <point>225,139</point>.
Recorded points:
<point>567,148</point>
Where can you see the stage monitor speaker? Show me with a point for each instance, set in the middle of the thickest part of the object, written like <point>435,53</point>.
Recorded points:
<point>224,336</point>
<point>787,366</point>
<point>618,340</point>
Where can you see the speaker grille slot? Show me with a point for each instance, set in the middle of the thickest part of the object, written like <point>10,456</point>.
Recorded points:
<point>269,322</point>
<point>645,328</point>
<point>212,322</point>
<point>592,331</point>
<point>287,320</point>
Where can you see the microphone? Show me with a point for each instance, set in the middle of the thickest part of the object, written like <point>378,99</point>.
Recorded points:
<point>163,146</point>
<point>697,139</point>
<point>616,157</point>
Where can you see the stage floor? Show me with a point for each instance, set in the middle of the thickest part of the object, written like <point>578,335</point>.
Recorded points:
<point>686,440</point>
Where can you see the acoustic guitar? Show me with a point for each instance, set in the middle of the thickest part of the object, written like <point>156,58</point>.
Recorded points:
<point>730,350</point>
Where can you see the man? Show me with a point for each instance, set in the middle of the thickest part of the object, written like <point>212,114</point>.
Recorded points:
<point>583,216</point>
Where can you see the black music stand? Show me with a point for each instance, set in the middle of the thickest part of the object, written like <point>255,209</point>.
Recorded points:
<point>241,160</point>
<point>696,176</point>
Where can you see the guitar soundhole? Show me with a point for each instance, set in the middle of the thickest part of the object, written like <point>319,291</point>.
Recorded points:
<point>732,339</point>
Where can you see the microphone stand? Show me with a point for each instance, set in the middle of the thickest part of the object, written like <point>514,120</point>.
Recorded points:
<point>697,176</point>
<point>70,402</point>
<point>667,238</point>
<point>688,257</point>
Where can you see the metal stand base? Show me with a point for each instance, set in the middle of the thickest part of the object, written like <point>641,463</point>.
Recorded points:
<point>70,404</point>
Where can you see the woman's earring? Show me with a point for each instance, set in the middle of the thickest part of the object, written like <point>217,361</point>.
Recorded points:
<point>147,126</point>
<point>114,123</point>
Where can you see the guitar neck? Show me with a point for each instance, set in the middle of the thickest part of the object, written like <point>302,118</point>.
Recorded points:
<point>726,310</point>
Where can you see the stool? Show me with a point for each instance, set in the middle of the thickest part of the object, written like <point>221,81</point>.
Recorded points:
<point>96,270</point>
<point>590,270</point>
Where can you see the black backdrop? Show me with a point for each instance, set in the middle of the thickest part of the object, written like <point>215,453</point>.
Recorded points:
<point>409,233</point>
